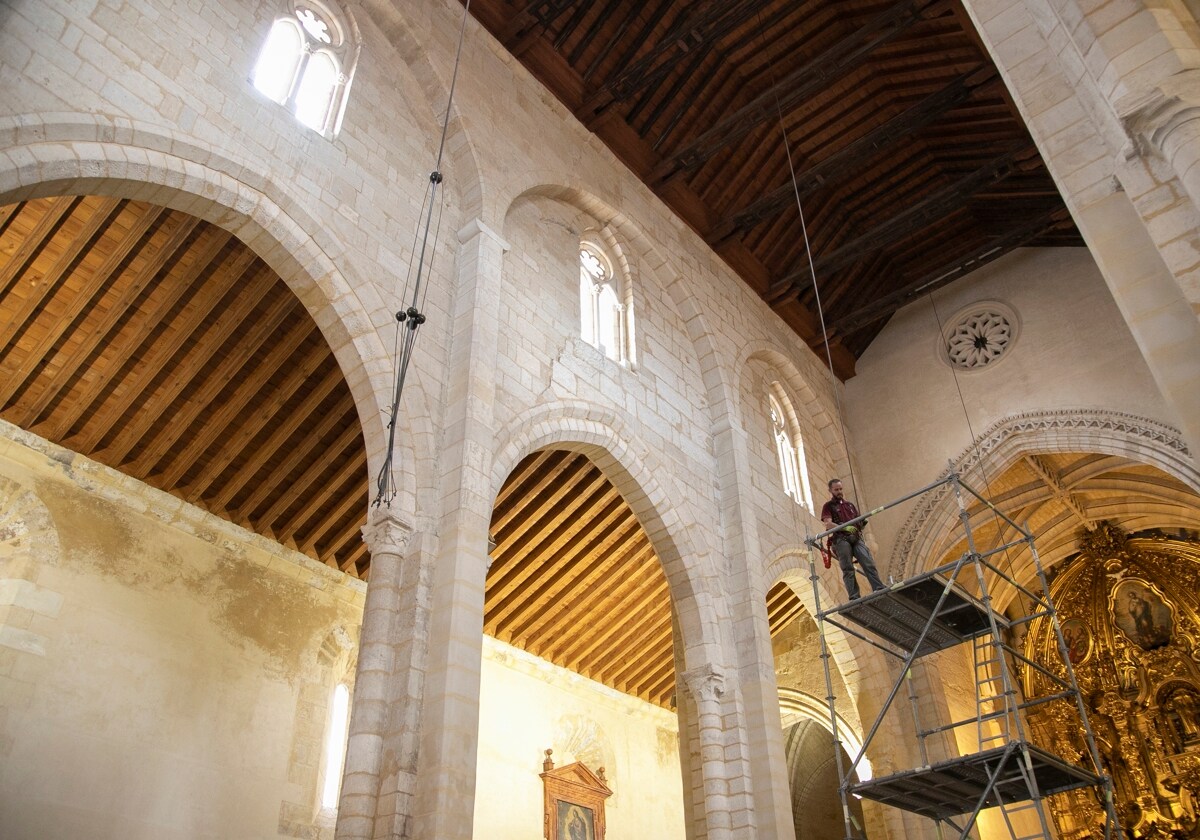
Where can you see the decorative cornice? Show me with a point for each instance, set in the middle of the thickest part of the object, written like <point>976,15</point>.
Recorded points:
<point>1142,431</point>
<point>386,532</point>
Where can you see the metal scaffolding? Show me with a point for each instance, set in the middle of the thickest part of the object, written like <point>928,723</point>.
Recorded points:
<point>938,610</point>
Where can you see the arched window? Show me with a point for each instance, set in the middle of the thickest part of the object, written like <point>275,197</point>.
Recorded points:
<point>307,61</point>
<point>335,747</point>
<point>602,315</point>
<point>789,449</point>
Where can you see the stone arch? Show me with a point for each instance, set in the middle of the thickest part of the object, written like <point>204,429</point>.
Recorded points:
<point>796,705</point>
<point>476,201</point>
<point>635,472</point>
<point>87,154</point>
<point>1065,430</point>
<point>788,566</point>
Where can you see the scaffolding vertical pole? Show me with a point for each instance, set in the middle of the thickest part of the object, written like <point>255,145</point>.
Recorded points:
<point>830,698</point>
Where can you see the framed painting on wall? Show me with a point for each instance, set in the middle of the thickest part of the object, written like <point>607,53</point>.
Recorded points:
<point>574,801</point>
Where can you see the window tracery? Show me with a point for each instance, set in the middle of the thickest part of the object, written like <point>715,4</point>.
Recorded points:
<point>307,62</point>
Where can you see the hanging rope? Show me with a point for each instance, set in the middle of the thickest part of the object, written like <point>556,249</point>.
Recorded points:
<point>416,289</point>
<point>812,270</point>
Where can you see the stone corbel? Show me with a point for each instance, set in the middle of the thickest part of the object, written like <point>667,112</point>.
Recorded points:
<point>386,532</point>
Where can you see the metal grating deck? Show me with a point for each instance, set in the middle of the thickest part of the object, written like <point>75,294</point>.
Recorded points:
<point>957,786</point>
<point>900,613</point>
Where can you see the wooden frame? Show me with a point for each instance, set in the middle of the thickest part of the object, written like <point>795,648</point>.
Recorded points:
<point>574,801</point>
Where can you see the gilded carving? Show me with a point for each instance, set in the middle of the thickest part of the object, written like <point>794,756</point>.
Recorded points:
<point>1129,613</point>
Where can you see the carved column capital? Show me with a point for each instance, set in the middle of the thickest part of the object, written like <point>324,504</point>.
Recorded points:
<point>1155,118</point>
<point>386,532</point>
<point>706,682</point>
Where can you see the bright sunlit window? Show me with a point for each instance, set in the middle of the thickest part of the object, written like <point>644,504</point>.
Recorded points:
<point>306,63</point>
<point>789,448</point>
<point>601,313</point>
<point>335,746</point>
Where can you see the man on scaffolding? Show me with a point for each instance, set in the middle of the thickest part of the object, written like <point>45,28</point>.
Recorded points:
<point>848,543</point>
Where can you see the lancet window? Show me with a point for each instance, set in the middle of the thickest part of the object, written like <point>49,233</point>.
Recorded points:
<point>603,316</point>
<point>789,449</point>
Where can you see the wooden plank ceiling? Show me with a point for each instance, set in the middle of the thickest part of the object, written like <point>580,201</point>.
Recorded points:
<point>160,345</point>
<point>912,165</point>
<point>575,580</point>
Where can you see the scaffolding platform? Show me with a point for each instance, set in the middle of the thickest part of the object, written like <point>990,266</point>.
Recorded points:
<point>947,607</point>
<point>929,609</point>
<point>971,783</point>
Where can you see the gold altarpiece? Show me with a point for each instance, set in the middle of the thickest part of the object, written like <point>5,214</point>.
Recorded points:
<point>1130,614</point>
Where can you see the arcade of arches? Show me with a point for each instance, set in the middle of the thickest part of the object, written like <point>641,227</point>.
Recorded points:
<point>210,624</point>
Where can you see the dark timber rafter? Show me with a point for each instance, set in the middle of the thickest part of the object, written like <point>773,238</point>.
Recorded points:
<point>937,205</point>
<point>697,28</point>
<point>953,269</point>
<point>851,157</point>
<point>797,86</point>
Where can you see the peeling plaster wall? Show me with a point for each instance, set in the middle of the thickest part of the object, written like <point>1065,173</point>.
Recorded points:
<point>172,683</point>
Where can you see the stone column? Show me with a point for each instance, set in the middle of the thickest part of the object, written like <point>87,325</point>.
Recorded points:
<point>726,812</point>
<point>747,596</point>
<point>387,536</point>
<point>449,740</point>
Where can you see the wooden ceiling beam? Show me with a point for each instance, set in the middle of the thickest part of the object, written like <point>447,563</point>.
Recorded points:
<point>151,360</point>
<point>329,525</point>
<point>637,634</point>
<point>94,336</point>
<point>610,580</point>
<point>56,212</point>
<point>915,218</point>
<point>78,303</point>
<point>200,377</point>
<point>993,248</point>
<point>641,601</point>
<point>282,435</point>
<point>796,86</point>
<point>252,381</point>
<point>547,520</point>
<point>93,227</point>
<point>9,212</point>
<point>546,529</point>
<point>329,454</point>
<point>647,651</point>
<point>564,570</point>
<point>652,684</point>
<point>849,159</point>
<point>268,409</point>
<point>539,473</point>
<point>323,495</point>
<point>328,450</point>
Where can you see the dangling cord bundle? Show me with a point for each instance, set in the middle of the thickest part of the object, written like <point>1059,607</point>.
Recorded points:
<point>410,319</point>
<point>812,270</point>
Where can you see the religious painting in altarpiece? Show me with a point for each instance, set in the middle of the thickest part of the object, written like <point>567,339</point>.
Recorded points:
<point>574,801</point>
<point>1129,607</point>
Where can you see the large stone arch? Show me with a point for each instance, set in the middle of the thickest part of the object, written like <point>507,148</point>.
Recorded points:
<point>1065,430</point>
<point>645,485</point>
<point>89,154</point>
